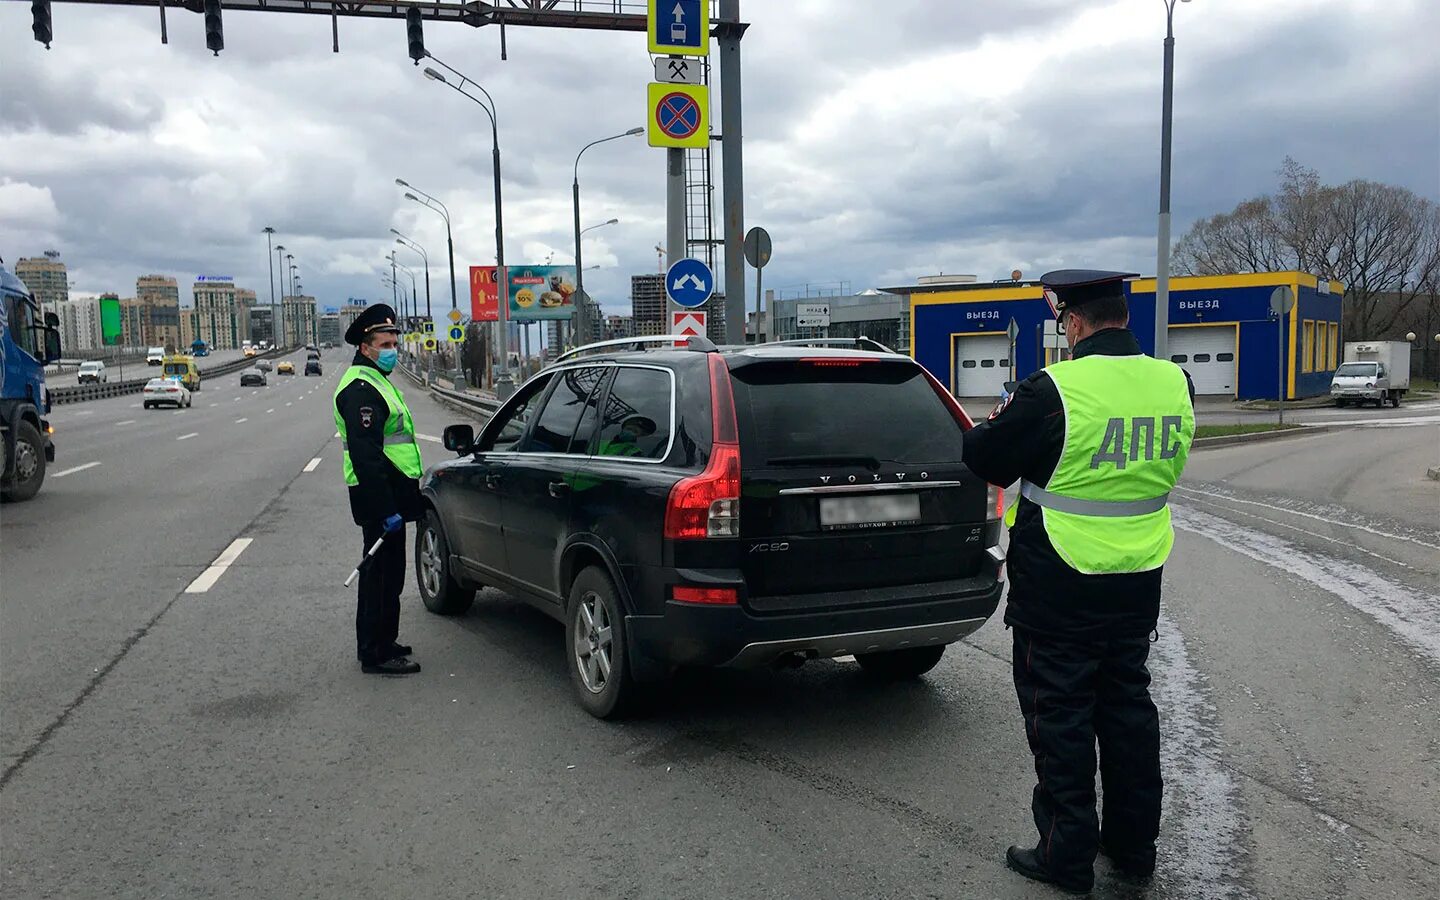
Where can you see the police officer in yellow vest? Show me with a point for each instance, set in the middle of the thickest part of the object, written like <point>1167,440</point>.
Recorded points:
<point>382,467</point>
<point>1097,442</point>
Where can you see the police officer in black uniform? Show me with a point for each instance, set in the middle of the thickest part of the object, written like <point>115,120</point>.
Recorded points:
<point>382,498</point>
<point>1080,640</point>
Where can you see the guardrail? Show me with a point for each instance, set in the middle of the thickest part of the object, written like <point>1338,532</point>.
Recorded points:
<point>463,401</point>
<point>84,392</point>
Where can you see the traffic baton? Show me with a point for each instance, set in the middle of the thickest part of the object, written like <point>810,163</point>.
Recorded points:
<point>373,550</point>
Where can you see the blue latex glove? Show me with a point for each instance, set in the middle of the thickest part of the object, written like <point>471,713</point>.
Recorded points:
<point>394,524</point>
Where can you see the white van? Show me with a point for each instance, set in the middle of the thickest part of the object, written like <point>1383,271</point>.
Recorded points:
<point>155,356</point>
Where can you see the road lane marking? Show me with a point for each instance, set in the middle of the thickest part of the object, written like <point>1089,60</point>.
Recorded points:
<point>337,434</point>
<point>73,469</point>
<point>236,399</point>
<point>269,411</point>
<point>206,579</point>
<point>427,437</point>
<point>241,420</point>
<point>289,404</point>
<point>85,412</point>
<point>126,422</point>
<point>1223,498</point>
<point>310,466</point>
<point>186,437</point>
<point>214,404</point>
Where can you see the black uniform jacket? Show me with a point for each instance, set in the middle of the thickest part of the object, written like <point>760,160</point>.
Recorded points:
<point>1023,439</point>
<point>383,490</point>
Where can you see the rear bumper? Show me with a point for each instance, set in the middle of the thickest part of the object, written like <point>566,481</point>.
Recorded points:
<point>732,635</point>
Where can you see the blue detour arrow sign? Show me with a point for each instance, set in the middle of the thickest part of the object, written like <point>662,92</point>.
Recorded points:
<point>689,283</point>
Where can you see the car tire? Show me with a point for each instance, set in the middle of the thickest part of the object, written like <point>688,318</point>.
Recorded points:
<point>1339,404</point>
<point>147,406</point>
<point>1395,400</point>
<point>439,590</point>
<point>29,459</point>
<point>900,665</point>
<point>596,648</point>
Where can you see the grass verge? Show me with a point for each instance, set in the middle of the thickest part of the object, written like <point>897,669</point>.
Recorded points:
<point>1207,431</point>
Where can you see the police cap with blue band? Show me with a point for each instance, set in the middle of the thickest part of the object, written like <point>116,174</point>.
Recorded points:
<point>1069,288</point>
<point>376,319</point>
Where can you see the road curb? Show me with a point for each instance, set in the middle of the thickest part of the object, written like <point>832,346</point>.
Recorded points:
<point>1433,473</point>
<point>1228,440</point>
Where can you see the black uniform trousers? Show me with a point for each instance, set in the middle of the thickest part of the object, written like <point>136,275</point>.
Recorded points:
<point>1073,694</point>
<point>377,607</point>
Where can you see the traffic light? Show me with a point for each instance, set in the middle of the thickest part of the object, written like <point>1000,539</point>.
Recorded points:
<point>41,28</point>
<point>214,28</point>
<point>416,34</point>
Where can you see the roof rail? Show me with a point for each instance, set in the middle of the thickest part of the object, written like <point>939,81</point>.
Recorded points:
<point>860,343</point>
<point>668,341</point>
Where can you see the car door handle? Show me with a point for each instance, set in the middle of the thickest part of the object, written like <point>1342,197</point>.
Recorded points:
<point>492,482</point>
<point>559,489</point>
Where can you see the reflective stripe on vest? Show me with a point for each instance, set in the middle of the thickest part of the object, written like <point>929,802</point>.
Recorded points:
<point>399,443</point>
<point>1128,427</point>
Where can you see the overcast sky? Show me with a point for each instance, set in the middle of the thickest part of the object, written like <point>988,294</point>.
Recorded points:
<point>884,140</point>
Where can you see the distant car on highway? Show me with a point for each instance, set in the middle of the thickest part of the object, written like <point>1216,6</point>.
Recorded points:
<point>253,377</point>
<point>741,507</point>
<point>285,368</point>
<point>155,356</point>
<point>92,372</point>
<point>312,367</point>
<point>264,365</point>
<point>166,392</point>
<point>182,367</point>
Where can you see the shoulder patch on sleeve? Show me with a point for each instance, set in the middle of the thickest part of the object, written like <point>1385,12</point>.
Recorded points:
<point>367,416</point>
<point>1001,406</point>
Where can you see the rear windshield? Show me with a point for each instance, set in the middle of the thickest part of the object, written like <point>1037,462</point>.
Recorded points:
<point>1353,369</point>
<point>177,369</point>
<point>793,411</point>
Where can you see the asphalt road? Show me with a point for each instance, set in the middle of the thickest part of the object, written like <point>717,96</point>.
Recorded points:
<point>132,370</point>
<point>164,743</point>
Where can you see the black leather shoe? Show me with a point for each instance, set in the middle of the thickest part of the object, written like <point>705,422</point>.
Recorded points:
<point>1131,867</point>
<point>398,650</point>
<point>400,665</point>
<point>1027,863</point>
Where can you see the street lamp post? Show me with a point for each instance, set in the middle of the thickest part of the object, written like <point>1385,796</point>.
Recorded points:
<point>575,194</point>
<point>490,112</point>
<point>403,241</point>
<point>280,282</point>
<point>1162,241</point>
<point>269,258</point>
<point>581,308</point>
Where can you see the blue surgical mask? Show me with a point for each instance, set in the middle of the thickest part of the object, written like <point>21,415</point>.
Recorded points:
<point>387,358</point>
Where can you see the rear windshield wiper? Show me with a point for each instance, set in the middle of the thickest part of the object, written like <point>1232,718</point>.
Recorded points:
<point>868,462</point>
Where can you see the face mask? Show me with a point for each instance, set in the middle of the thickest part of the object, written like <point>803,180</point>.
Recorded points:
<point>386,359</point>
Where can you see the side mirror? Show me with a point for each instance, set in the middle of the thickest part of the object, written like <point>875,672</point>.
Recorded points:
<point>52,320</point>
<point>458,438</point>
<point>52,343</point>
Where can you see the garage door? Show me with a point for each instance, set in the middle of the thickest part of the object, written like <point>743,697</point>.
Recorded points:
<point>1208,354</point>
<point>982,365</point>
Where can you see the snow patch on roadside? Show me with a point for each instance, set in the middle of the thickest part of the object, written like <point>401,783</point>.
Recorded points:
<point>1412,615</point>
<point>1200,833</point>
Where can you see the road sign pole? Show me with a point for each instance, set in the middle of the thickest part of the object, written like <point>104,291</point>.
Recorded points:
<point>674,209</point>
<point>733,174</point>
<point>759,276</point>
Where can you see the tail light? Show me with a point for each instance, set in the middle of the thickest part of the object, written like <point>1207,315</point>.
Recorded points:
<point>995,501</point>
<point>836,362</point>
<point>956,410</point>
<point>708,505</point>
<point>710,596</point>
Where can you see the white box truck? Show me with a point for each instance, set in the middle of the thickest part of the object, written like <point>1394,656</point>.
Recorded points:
<point>1373,371</point>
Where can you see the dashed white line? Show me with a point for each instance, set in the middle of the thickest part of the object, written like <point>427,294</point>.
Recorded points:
<point>427,437</point>
<point>289,404</point>
<point>206,579</point>
<point>236,399</point>
<point>186,437</point>
<point>125,422</point>
<point>214,404</point>
<point>85,412</point>
<point>73,469</point>
<point>269,411</point>
<point>241,420</point>
<point>310,466</point>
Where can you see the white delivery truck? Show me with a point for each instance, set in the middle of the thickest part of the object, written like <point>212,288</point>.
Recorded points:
<point>1376,371</point>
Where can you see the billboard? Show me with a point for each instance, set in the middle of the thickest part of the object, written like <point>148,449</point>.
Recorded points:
<point>484,294</point>
<point>541,292</point>
<point>110,330</point>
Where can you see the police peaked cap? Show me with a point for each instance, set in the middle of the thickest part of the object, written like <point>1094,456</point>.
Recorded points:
<point>1076,287</point>
<point>376,319</point>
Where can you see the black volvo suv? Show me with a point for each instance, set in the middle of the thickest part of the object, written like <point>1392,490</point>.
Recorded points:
<point>703,506</point>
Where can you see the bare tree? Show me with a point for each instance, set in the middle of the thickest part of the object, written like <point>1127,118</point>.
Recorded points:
<point>1381,241</point>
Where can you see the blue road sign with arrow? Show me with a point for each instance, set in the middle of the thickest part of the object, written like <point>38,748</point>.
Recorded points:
<point>679,26</point>
<point>689,283</point>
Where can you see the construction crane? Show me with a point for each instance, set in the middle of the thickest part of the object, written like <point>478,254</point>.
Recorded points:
<point>660,259</point>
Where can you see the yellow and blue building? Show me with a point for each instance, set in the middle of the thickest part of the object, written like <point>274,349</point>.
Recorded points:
<point>1221,331</point>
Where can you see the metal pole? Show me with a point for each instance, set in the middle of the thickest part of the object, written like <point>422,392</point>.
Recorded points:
<point>1162,249</point>
<point>1280,362</point>
<point>759,277</point>
<point>674,217</point>
<point>733,172</point>
<point>579,264</point>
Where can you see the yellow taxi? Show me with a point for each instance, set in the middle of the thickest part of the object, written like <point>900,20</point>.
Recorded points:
<point>285,368</point>
<point>181,367</point>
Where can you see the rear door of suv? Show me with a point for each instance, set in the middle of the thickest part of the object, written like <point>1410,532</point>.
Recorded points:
<point>853,488</point>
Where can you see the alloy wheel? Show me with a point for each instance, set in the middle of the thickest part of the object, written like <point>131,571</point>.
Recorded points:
<point>593,641</point>
<point>431,570</point>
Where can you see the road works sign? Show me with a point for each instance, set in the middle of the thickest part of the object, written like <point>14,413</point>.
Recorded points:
<point>690,323</point>
<point>679,115</point>
<point>689,283</point>
<point>680,27</point>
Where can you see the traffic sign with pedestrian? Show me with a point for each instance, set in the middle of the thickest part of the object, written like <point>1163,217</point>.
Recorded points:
<point>679,27</point>
<point>689,283</point>
<point>679,115</point>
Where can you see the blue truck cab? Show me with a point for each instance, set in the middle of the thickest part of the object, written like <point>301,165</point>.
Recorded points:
<point>28,342</point>
<point>199,348</point>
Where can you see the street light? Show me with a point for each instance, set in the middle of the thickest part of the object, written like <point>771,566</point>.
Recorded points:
<point>269,253</point>
<point>491,113</point>
<point>1162,240</point>
<point>575,195</point>
<point>404,241</point>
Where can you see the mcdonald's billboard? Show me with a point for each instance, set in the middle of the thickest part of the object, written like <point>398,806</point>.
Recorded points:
<point>484,294</point>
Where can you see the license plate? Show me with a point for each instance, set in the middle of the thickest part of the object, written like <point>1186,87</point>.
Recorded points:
<point>838,513</point>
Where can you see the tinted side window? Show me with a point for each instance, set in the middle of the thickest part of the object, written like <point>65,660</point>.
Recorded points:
<point>556,430</point>
<point>19,326</point>
<point>509,426</point>
<point>636,419</point>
